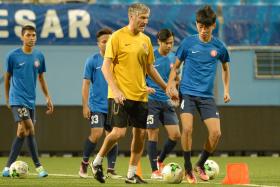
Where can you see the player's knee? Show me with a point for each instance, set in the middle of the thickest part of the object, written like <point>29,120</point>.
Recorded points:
<point>215,135</point>
<point>187,131</point>
<point>175,136</point>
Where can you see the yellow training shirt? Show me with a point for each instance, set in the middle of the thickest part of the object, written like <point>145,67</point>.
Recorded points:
<point>130,55</point>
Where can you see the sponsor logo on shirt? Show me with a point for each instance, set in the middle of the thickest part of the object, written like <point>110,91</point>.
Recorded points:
<point>98,67</point>
<point>195,52</point>
<point>21,64</point>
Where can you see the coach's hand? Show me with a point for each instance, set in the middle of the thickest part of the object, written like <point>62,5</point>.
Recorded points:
<point>49,106</point>
<point>86,112</point>
<point>118,96</point>
<point>150,90</point>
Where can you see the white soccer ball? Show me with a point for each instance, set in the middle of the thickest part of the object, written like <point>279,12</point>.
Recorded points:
<point>211,168</point>
<point>19,169</point>
<point>172,173</point>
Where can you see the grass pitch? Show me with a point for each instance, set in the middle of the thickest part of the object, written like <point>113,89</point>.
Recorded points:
<point>63,172</point>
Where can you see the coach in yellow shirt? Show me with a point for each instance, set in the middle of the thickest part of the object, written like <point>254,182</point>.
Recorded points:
<point>128,59</point>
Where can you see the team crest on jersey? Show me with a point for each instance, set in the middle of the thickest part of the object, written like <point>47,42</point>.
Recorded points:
<point>145,47</point>
<point>37,63</point>
<point>213,53</point>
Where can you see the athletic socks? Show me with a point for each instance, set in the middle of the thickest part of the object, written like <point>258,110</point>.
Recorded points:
<point>88,149</point>
<point>15,150</point>
<point>32,145</point>
<point>187,159</point>
<point>152,152</point>
<point>112,157</point>
<point>203,157</point>
<point>167,148</point>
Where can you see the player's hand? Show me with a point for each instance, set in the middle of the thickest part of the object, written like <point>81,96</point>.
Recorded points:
<point>49,106</point>
<point>118,96</point>
<point>226,97</point>
<point>86,112</point>
<point>150,90</point>
<point>172,92</point>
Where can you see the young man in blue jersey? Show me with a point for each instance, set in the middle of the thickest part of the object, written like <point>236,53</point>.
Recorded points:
<point>161,110</point>
<point>200,54</point>
<point>23,67</point>
<point>95,105</point>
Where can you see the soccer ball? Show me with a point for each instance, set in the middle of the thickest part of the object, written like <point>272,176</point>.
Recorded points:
<point>211,168</point>
<point>19,169</point>
<point>172,173</point>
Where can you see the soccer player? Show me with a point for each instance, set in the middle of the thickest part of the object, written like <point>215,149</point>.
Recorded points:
<point>95,105</point>
<point>23,67</point>
<point>200,54</point>
<point>128,58</point>
<point>161,110</point>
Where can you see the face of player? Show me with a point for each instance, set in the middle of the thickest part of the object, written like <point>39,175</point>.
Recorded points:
<point>139,22</point>
<point>102,40</point>
<point>166,46</point>
<point>205,32</point>
<point>29,38</point>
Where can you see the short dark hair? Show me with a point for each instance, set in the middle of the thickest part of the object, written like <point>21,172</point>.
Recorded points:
<point>164,34</point>
<point>27,27</point>
<point>206,16</point>
<point>103,32</point>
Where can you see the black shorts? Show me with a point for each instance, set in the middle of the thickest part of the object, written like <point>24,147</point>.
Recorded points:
<point>131,113</point>
<point>99,120</point>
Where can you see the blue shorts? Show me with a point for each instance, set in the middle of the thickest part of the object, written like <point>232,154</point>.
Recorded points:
<point>161,113</point>
<point>99,120</point>
<point>21,113</point>
<point>206,106</point>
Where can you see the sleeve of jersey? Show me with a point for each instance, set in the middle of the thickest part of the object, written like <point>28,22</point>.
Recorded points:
<point>111,47</point>
<point>181,52</point>
<point>87,69</point>
<point>42,68</point>
<point>224,56</point>
<point>151,56</point>
<point>9,64</point>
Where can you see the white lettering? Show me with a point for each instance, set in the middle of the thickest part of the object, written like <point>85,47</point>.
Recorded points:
<point>24,17</point>
<point>51,25</point>
<point>81,24</point>
<point>3,23</point>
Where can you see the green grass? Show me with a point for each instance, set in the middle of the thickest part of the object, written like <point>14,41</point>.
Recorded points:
<point>262,170</point>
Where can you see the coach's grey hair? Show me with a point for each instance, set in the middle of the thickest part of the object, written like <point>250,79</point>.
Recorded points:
<point>138,8</point>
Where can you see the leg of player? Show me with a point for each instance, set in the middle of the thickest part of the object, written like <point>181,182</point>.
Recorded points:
<point>174,134</point>
<point>89,147</point>
<point>186,141</point>
<point>15,149</point>
<point>108,143</point>
<point>152,152</point>
<point>137,146</point>
<point>33,149</point>
<point>214,134</point>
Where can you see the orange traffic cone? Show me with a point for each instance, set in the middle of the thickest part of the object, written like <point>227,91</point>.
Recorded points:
<point>237,173</point>
<point>139,170</point>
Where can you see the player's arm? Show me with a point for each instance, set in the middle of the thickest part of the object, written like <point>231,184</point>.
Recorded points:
<point>226,81</point>
<point>153,73</point>
<point>108,74</point>
<point>44,88</point>
<point>7,88</point>
<point>171,89</point>
<point>85,91</point>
